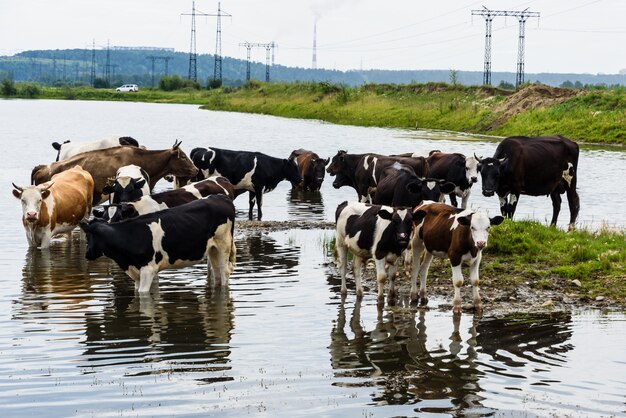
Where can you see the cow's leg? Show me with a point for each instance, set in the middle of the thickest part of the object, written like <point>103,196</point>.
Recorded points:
<point>473,275</point>
<point>504,201</point>
<point>259,204</point>
<point>357,267</point>
<point>251,200</point>
<point>574,204</point>
<point>416,252</point>
<point>457,281</point>
<point>453,200</point>
<point>514,198</point>
<point>342,254</point>
<point>146,275</point>
<point>46,237</point>
<point>232,257</point>
<point>428,258</point>
<point>465,199</point>
<point>556,206</point>
<point>381,277</point>
<point>391,273</point>
<point>218,262</point>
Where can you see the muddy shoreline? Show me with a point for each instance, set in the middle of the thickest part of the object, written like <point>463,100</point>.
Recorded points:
<point>497,299</point>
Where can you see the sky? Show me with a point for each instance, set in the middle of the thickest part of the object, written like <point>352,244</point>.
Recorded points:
<point>570,36</point>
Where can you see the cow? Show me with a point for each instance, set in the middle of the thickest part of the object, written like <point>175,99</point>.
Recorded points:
<point>55,207</point>
<point>400,186</point>
<point>171,238</point>
<point>250,171</point>
<point>130,183</point>
<point>371,231</point>
<point>103,164</point>
<point>533,166</point>
<point>447,232</point>
<point>362,171</point>
<point>312,168</point>
<point>455,168</point>
<point>167,199</point>
<point>68,148</point>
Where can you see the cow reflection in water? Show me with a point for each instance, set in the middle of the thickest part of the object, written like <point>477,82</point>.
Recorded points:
<point>395,355</point>
<point>178,330</point>
<point>258,252</point>
<point>303,204</point>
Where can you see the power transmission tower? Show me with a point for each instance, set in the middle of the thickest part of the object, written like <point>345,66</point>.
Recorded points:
<point>268,47</point>
<point>193,56</point>
<point>92,78</point>
<point>522,17</point>
<point>217,68</point>
<point>153,58</point>
<point>107,66</point>
<point>314,61</point>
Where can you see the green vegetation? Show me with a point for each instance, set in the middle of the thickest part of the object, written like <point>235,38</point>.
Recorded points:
<point>549,258</point>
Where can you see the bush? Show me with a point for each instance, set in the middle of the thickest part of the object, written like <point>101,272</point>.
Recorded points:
<point>8,88</point>
<point>214,84</point>
<point>170,83</point>
<point>30,90</point>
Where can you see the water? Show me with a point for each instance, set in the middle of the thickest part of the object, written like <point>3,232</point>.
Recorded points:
<point>75,341</point>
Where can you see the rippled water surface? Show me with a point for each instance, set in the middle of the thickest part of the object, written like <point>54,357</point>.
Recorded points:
<point>279,341</point>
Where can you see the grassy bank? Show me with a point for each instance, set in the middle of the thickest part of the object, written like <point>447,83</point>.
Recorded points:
<point>596,116</point>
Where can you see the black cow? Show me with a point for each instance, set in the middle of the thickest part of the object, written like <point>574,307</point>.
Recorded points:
<point>312,168</point>
<point>166,199</point>
<point>455,168</point>
<point>362,171</point>
<point>533,166</point>
<point>171,238</point>
<point>255,172</point>
<point>400,186</point>
<point>371,231</point>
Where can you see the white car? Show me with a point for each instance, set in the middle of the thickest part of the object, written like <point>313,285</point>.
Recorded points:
<point>128,87</point>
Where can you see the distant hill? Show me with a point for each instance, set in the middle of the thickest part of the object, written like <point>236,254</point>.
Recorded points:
<point>134,65</point>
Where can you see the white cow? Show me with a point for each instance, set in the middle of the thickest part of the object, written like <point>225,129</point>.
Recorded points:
<point>68,148</point>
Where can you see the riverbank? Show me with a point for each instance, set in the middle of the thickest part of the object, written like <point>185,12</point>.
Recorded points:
<point>526,266</point>
<point>595,117</point>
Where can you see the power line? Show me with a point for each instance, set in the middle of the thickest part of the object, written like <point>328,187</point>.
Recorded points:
<point>268,47</point>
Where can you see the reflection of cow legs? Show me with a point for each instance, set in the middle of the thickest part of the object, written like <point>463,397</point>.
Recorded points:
<point>556,206</point>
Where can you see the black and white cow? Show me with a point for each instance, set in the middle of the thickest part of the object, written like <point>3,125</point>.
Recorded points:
<point>171,238</point>
<point>250,171</point>
<point>455,168</point>
<point>68,148</point>
<point>400,186</point>
<point>447,232</point>
<point>130,183</point>
<point>371,231</point>
<point>167,199</point>
<point>534,166</point>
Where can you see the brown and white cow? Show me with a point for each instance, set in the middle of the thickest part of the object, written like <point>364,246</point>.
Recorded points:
<point>55,207</point>
<point>447,232</point>
<point>312,168</point>
<point>103,164</point>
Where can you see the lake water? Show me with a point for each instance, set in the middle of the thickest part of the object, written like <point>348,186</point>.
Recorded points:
<point>75,341</point>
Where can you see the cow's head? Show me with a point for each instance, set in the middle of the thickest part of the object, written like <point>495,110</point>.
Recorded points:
<point>342,180</point>
<point>318,167</point>
<point>428,189</point>
<point>337,163</point>
<point>126,189</point>
<point>291,172</point>
<point>32,198</point>
<point>92,232</point>
<point>401,223</point>
<point>490,169</point>
<point>471,169</point>
<point>479,224</point>
<point>115,212</point>
<point>57,147</point>
<point>179,164</point>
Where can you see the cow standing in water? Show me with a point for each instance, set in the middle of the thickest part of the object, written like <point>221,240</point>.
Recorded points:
<point>69,149</point>
<point>312,168</point>
<point>534,166</point>
<point>55,207</point>
<point>447,232</point>
<point>455,168</point>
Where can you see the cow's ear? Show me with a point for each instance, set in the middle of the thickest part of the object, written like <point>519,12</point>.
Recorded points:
<point>326,161</point>
<point>127,210</point>
<point>98,212</point>
<point>385,214</point>
<point>56,146</point>
<point>418,216</point>
<point>414,186</point>
<point>140,183</point>
<point>108,189</point>
<point>496,220</point>
<point>84,226</point>
<point>446,186</point>
<point>465,220</point>
<point>17,194</point>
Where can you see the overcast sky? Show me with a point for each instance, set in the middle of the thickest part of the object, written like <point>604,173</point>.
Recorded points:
<point>577,36</point>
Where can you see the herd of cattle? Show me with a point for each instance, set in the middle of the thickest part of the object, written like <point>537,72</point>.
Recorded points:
<point>398,210</point>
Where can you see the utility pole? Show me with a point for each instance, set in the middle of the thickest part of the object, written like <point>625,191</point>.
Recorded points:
<point>522,17</point>
<point>107,66</point>
<point>269,47</point>
<point>92,77</point>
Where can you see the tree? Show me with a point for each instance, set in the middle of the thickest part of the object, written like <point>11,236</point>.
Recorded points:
<point>454,77</point>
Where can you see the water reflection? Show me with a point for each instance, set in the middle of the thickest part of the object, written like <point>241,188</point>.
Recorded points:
<point>305,205</point>
<point>258,252</point>
<point>178,331</point>
<point>395,358</point>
